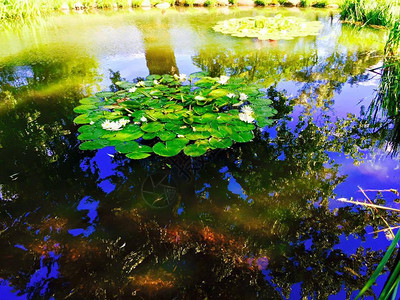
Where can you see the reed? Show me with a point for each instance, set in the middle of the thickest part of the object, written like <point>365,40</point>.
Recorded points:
<point>19,9</point>
<point>386,105</point>
<point>370,12</point>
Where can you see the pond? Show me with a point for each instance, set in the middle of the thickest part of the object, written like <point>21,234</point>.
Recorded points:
<point>259,220</point>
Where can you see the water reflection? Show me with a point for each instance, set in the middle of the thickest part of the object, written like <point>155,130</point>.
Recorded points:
<point>249,222</point>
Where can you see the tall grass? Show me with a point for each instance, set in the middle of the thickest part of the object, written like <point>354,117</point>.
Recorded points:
<point>19,9</point>
<point>387,102</point>
<point>23,8</point>
<point>372,12</point>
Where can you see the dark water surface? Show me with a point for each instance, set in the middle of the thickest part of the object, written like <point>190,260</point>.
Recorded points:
<point>257,221</point>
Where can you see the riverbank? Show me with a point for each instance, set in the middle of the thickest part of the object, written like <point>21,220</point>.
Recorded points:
<point>14,9</point>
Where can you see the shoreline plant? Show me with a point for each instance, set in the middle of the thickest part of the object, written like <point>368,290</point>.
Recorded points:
<point>169,114</point>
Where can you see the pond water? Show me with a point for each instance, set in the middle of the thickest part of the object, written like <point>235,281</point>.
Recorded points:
<point>256,221</point>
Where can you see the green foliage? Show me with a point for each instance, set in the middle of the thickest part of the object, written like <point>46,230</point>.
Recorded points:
<point>266,2</point>
<point>370,12</point>
<point>137,3</point>
<point>387,100</point>
<point>211,3</point>
<point>314,3</point>
<point>269,28</point>
<point>210,113</point>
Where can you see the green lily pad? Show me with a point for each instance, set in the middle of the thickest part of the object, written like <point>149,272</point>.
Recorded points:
<point>81,109</point>
<point>166,135</point>
<point>86,119</point>
<point>196,149</point>
<point>220,143</point>
<point>198,135</point>
<point>138,155</point>
<point>89,101</point>
<point>170,148</point>
<point>104,94</point>
<point>175,113</point>
<point>242,137</point>
<point>218,93</point>
<point>152,127</point>
<point>149,135</point>
<point>132,146</point>
<point>122,136</point>
<point>95,145</point>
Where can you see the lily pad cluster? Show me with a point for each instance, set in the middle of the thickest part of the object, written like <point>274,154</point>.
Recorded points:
<point>169,114</point>
<point>269,28</point>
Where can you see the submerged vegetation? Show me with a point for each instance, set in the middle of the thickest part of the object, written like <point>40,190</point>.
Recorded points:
<point>212,113</point>
<point>269,28</point>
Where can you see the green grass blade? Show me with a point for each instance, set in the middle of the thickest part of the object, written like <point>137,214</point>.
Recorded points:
<point>380,266</point>
<point>395,292</point>
<point>391,283</point>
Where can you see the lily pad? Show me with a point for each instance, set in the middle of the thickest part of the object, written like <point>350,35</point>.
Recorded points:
<point>196,149</point>
<point>173,116</point>
<point>220,143</point>
<point>242,137</point>
<point>132,146</point>
<point>170,148</point>
<point>152,127</point>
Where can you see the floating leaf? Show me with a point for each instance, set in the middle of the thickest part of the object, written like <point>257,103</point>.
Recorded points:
<point>220,143</point>
<point>122,136</point>
<point>149,135</point>
<point>138,155</point>
<point>89,101</point>
<point>198,135</point>
<point>242,137</point>
<point>166,135</point>
<point>170,148</point>
<point>152,127</point>
<point>86,119</point>
<point>218,93</point>
<point>94,145</point>
<point>196,149</point>
<point>191,117</point>
<point>269,28</point>
<point>104,94</point>
<point>132,146</point>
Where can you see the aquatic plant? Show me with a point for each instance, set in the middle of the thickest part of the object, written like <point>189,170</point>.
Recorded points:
<point>387,100</point>
<point>370,12</point>
<point>169,116</point>
<point>269,28</point>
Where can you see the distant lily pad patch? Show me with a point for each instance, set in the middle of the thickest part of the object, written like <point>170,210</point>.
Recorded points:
<point>269,28</point>
<point>166,115</point>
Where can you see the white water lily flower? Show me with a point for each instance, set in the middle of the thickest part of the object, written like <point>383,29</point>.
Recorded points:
<point>155,82</point>
<point>123,122</point>
<point>180,136</point>
<point>143,119</point>
<point>132,90</point>
<point>231,95</point>
<point>243,96</point>
<point>223,79</point>
<point>180,77</point>
<point>91,123</point>
<point>140,83</point>
<point>246,118</point>
<point>111,126</point>
<point>247,110</point>
<point>194,128</point>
